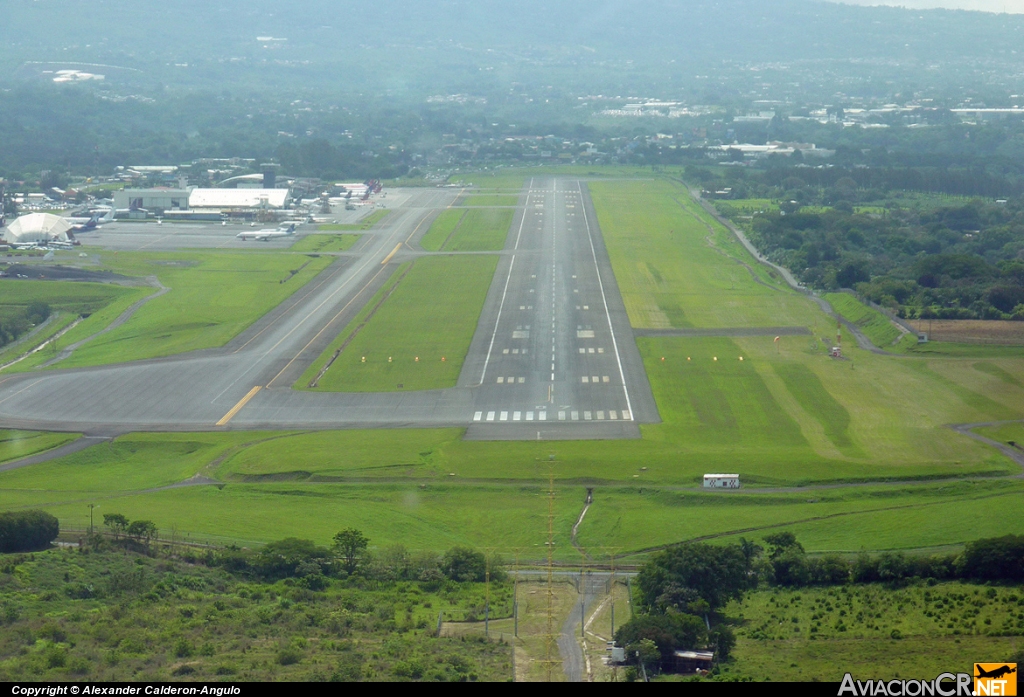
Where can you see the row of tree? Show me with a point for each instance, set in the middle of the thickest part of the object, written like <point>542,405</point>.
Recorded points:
<point>350,556</point>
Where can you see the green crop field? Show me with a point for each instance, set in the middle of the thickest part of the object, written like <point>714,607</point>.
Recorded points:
<point>213,297</point>
<point>431,315</point>
<point>872,631</point>
<point>324,243</point>
<point>15,445</point>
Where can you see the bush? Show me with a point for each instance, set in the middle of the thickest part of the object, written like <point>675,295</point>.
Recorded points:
<point>23,531</point>
<point>289,656</point>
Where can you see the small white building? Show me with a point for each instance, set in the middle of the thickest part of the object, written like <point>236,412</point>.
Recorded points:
<point>721,481</point>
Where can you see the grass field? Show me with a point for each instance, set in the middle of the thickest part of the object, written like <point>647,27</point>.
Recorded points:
<point>213,297</point>
<point>76,298</point>
<point>86,328</point>
<point>872,631</point>
<point>441,229</point>
<point>324,243</point>
<point>903,517</point>
<point>674,268</point>
<point>364,223</point>
<point>15,445</point>
<point>477,230</point>
<point>490,200</point>
<point>431,315</point>
<point>1011,434</point>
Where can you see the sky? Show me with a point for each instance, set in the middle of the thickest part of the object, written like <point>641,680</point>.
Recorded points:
<point>1014,6</point>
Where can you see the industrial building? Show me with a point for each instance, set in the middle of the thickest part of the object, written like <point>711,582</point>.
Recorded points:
<point>153,200</point>
<point>227,200</point>
<point>200,203</point>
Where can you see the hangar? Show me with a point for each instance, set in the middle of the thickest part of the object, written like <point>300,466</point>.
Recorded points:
<point>37,227</point>
<point>226,200</point>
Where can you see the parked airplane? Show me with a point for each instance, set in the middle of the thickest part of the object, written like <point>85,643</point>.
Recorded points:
<point>91,218</point>
<point>268,234</point>
<point>92,223</point>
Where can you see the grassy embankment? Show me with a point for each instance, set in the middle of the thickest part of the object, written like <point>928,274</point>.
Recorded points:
<point>15,445</point>
<point>873,323</point>
<point>786,415</point>
<point>100,303</point>
<point>431,313</point>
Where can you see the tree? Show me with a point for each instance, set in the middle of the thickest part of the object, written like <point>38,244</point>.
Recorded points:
<point>290,557</point>
<point>142,531</point>
<point>117,523</point>
<point>668,632</point>
<point>994,558</point>
<point>464,564</point>
<point>24,531</point>
<point>351,545</point>
<point>716,573</point>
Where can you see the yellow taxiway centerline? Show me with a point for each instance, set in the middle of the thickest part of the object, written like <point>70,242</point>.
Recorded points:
<point>238,407</point>
<point>393,253</point>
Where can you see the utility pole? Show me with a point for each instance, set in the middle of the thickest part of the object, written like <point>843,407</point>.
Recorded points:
<point>91,507</point>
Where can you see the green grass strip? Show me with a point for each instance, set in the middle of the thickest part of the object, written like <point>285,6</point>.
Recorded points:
<point>431,315</point>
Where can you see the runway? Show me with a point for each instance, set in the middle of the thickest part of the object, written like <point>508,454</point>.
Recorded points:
<point>552,357</point>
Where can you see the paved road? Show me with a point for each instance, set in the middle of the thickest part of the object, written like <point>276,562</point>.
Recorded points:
<point>557,328</point>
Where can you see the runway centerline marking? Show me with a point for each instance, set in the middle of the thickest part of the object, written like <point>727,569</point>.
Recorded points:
<point>238,407</point>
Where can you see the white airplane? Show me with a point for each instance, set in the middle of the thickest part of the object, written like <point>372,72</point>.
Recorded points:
<point>268,234</point>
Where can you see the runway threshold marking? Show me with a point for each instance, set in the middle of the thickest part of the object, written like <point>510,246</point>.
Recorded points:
<point>238,407</point>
